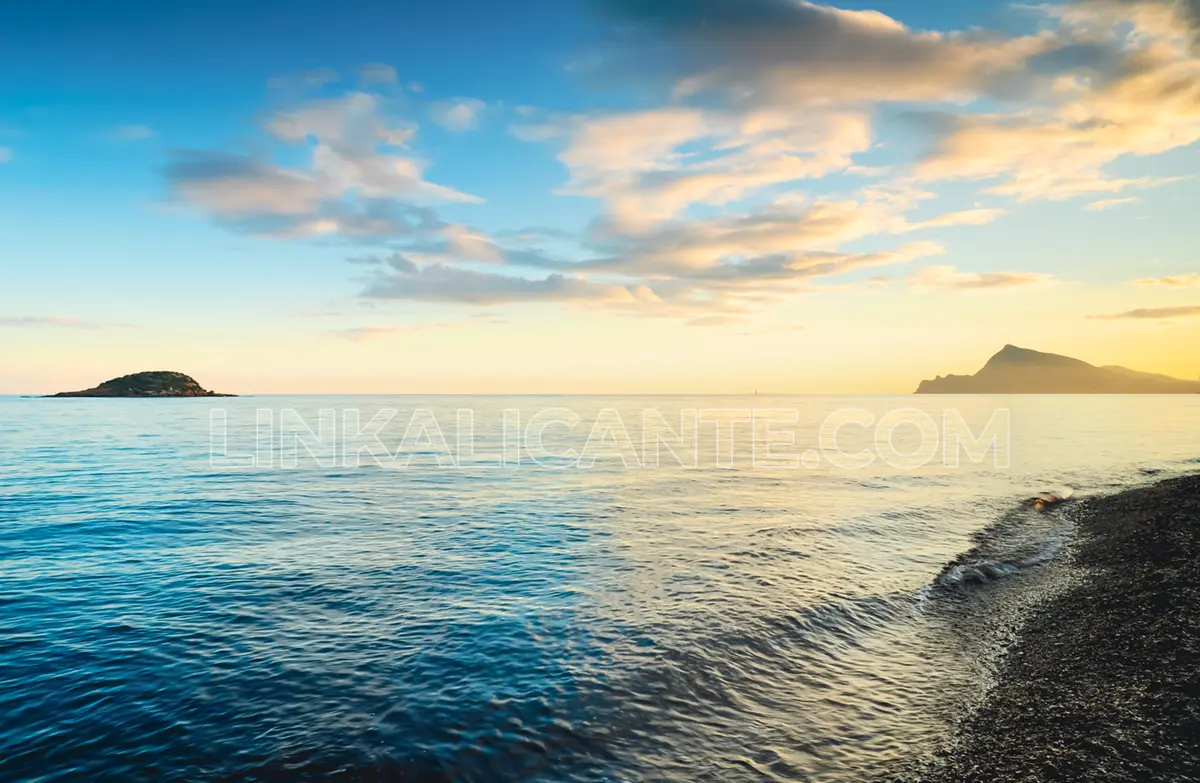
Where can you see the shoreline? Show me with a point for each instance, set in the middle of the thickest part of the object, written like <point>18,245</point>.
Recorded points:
<point>1103,682</point>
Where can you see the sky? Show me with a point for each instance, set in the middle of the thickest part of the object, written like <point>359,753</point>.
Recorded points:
<point>593,196</point>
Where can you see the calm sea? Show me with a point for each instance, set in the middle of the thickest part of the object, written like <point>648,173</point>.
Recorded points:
<point>170,612</point>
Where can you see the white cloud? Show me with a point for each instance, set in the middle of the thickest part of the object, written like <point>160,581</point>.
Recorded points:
<point>1173,281</point>
<point>356,183</point>
<point>948,278</point>
<point>966,217</point>
<point>1111,203</point>
<point>1145,102</point>
<point>718,200</point>
<point>6,154</point>
<point>1153,313</point>
<point>355,123</point>
<point>371,332</point>
<point>443,283</point>
<point>767,95</point>
<point>683,268</point>
<point>785,227</point>
<point>459,114</point>
<point>231,185</point>
<point>1102,80</point>
<point>378,73</point>
<point>649,166</point>
<point>51,321</point>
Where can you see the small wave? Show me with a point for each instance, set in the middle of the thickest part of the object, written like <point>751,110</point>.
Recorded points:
<point>983,571</point>
<point>1023,538</point>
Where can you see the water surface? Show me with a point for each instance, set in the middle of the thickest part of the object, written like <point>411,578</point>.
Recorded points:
<point>165,618</point>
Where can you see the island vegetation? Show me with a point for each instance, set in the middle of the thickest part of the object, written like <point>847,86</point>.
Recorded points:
<point>159,383</point>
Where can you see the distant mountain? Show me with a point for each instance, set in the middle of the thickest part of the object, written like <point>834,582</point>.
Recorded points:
<point>1022,371</point>
<point>147,384</point>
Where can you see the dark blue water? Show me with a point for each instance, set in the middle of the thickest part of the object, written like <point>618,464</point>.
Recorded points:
<point>165,619</point>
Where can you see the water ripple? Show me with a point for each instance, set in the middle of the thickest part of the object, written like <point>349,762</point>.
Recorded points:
<point>164,620</point>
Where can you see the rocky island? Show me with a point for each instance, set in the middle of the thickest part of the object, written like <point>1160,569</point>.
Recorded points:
<point>147,384</point>
<point>1021,371</point>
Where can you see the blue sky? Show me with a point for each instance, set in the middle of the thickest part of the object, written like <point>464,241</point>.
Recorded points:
<point>609,195</point>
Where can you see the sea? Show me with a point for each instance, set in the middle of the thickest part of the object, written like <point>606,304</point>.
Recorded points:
<point>401,588</point>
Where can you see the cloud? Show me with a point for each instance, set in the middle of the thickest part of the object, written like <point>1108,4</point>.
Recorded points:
<point>784,228</point>
<point>787,51</point>
<point>6,154</point>
<point>786,270</point>
<point>378,73</point>
<point>684,268</point>
<point>765,94</point>
<point>456,244</point>
<point>131,133</point>
<point>49,321</point>
<point>354,123</point>
<point>397,261</point>
<point>533,234</point>
<point>442,283</point>
<point>690,269</point>
<point>1101,80</point>
<point>1174,281</point>
<point>651,165</point>
<point>1142,98</point>
<point>357,182</point>
<point>715,320</point>
<point>1153,313</point>
<point>367,333</point>
<point>948,278</point>
<point>236,187</point>
<point>718,196</point>
<point>675,266</point>
<point>459,114</point>
<point>966,217</point>
<point>1111,203</point>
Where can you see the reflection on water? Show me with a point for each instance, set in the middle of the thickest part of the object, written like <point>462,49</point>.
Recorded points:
<point>166,620</point>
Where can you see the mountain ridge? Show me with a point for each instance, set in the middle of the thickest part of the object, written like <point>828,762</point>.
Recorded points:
<point>1015,370</point>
